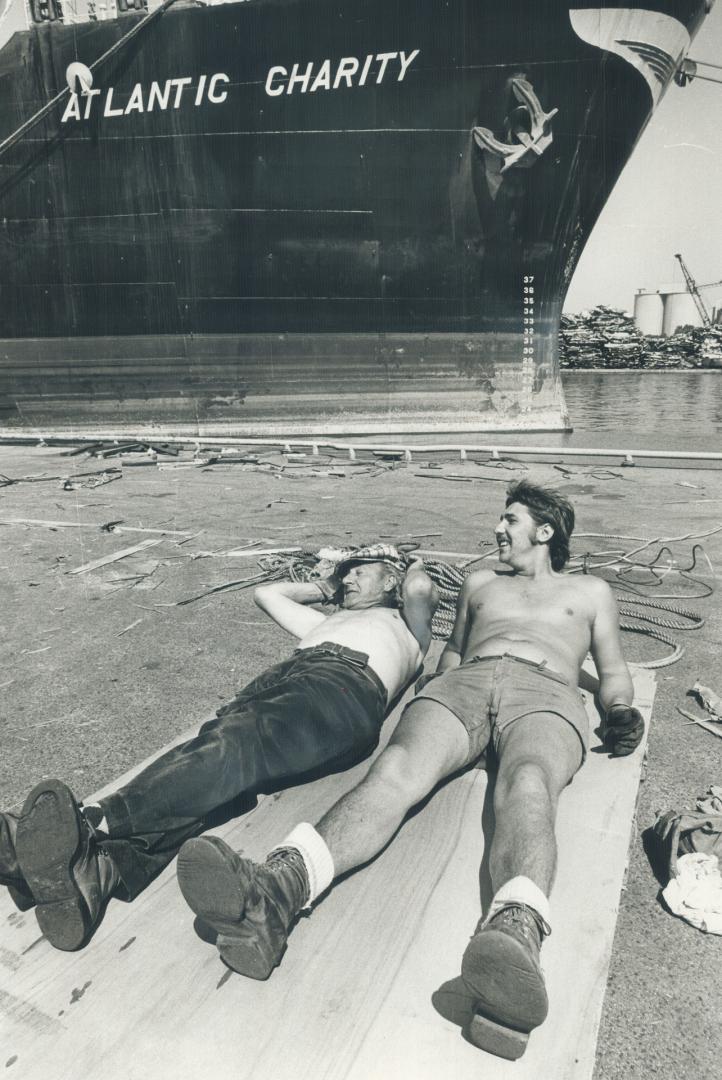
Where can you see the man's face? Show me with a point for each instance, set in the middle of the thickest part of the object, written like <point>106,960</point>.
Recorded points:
<point>366,585</point>
<point>516,533</point>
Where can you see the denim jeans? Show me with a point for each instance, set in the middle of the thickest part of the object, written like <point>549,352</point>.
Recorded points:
<point>318,712</point>
<point>489,693</point>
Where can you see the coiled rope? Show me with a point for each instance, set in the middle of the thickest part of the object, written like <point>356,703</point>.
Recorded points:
<point>673,609</point>
<point>664,661</point>
<point>696,620</point>
<point>448,580</point>
<point>622,563</point>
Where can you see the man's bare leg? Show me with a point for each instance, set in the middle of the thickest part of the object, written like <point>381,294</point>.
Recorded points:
<point>533,772</point>
<point>428,745</point>
<point>253,907</point>
<point>539,756</point>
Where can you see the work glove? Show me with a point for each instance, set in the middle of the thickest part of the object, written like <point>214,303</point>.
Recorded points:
<point>329,586</point>
<point>623,730</point>
<point>325,574</point>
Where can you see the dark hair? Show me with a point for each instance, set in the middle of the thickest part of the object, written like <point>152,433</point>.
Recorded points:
<point>547,507</point>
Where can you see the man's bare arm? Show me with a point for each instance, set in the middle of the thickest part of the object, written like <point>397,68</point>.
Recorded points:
<point>615,683</point>
<point>451,656</point>
<point>285,602</point>
<point>623,728</point>
<point>420,600</point>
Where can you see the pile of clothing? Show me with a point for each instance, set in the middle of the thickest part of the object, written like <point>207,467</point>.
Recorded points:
<point>692,842</point>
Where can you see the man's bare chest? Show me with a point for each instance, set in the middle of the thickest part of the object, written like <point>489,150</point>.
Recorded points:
<point>514,600</point>
<point>381,624</point>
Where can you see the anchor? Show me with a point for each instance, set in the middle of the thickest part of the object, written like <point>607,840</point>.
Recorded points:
<point>531,144</point>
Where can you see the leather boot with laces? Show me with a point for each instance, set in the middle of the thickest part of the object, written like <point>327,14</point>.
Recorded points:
<point>10,873</point>
<point>501,970</point>
<point>69,873</point>
<point>251,906</point>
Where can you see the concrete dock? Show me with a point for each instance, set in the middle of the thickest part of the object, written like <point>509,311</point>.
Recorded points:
<point>101,667</point>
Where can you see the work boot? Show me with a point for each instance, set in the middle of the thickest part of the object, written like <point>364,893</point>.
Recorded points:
<point>10,873</point>
<point>68,872</point>
<point>251,906</point>
<point>501,969</point>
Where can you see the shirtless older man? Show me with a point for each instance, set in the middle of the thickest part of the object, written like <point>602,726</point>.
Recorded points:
<point>507,680</point>
<point>318,712</point>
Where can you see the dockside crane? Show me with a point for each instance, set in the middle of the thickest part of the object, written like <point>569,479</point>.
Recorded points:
<point>693,290</point>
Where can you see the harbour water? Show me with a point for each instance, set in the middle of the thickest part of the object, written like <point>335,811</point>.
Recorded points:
<point>665,410</point>
<point>616,409</point>
<point>680,410</point>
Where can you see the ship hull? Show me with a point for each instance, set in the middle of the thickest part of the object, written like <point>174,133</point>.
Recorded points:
<point>310,215</point>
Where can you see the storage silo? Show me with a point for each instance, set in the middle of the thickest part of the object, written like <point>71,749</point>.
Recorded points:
<point>648,312</point>
<point>679,310</point>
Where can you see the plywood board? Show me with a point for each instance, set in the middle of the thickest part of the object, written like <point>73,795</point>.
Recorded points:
<point>368,989</point>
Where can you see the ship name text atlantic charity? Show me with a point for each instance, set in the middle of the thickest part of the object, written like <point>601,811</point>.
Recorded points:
<point>301,78</point>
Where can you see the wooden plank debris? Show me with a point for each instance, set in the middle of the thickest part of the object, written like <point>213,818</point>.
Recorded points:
<point>250,553</point>
<point>88,448</point>
<point>448,476</point>
<point>124,448</point>
<point>104,560</point>
<point>113,526</point>
<point>163,532</point>
<point>49,524</point>
<point>708,725</point>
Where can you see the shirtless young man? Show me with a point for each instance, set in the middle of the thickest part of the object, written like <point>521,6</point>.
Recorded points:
<point>318,712</point>
<point>506,679</point>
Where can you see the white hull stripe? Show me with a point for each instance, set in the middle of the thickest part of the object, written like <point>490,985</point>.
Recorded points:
<point>651,42</point>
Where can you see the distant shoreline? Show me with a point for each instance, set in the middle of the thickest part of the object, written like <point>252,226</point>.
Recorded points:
<point>638,371</point>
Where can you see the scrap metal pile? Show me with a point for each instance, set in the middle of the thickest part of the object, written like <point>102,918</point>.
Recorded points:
<point>606,337</point>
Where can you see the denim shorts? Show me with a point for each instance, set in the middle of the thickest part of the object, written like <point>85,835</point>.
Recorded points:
<point>488,693</point>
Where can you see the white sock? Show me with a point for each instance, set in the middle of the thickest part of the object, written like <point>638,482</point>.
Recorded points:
<point>102,826</point>
<point>316,856</point>
<point>520,890</point>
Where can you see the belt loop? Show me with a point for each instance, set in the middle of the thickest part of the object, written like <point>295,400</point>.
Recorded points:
<point>333,648</point>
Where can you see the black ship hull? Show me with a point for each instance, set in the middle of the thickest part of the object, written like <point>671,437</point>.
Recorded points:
<point>310,215</point>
